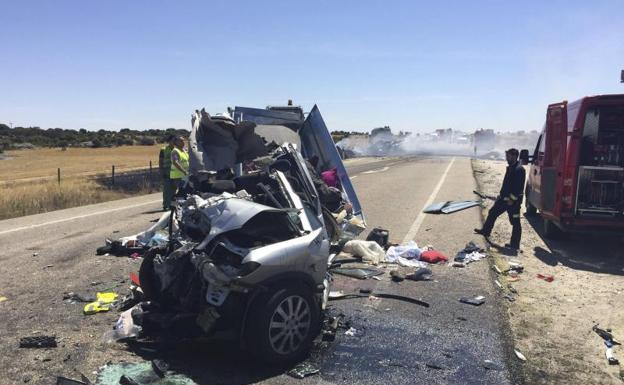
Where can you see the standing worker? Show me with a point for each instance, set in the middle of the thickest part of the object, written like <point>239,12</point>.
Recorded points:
<point>510,200</point>
<point>179,162</point>
<point>164,165</point>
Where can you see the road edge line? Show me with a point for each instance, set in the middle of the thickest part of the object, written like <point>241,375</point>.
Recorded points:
<point>77,217</point>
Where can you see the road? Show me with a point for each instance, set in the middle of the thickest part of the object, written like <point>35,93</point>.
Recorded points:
<point>45,255</point>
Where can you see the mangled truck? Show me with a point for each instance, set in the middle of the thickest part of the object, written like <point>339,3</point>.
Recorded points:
<point>251,235</point>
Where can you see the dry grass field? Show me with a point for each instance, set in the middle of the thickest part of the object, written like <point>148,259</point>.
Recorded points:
<point>43,162</point>
<point>28,178</point>
<point>37,197</point>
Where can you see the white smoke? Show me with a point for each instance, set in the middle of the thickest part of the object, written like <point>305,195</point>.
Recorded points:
<point>431,144</point>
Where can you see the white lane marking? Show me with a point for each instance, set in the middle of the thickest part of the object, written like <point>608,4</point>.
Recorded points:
<point>421,216</point>
<point>77,217</point>
<point>377,170</point>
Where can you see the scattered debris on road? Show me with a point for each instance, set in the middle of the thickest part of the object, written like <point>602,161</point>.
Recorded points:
<point>112,374</point>
<point>606,335</point>
<point>433,256</point>
<point>546,277</point>
<point>379,236</point>
<point>38,342</point>
<point>397,276</point>
<point>476,301</point>
<point>519,355</point>
<point>60,380</point>
<point>450,207</point>
<point>609,342</point>
<point>369,251</point>
<point>421,274</point>
<point>357,272</point>
<point>72,297</point>
<point>303,370</point>
<point>470,253</point>
<point>405,255</point>
<point>490,365</point>
<point>103,303</point>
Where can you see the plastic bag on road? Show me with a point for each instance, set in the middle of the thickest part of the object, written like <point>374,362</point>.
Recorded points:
<point>369,251</point>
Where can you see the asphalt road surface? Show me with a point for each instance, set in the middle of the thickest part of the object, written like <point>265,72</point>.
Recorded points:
<point>43,256</point>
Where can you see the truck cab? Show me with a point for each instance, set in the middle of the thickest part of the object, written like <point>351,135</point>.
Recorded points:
<point>576,176</point>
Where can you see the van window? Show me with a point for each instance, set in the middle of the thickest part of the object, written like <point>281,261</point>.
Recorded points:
<point>592,122</point>
<point>539,147</point>
<point>602,143</point>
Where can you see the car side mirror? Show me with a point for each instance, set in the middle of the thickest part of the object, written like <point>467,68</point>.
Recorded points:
<point>524,157</point>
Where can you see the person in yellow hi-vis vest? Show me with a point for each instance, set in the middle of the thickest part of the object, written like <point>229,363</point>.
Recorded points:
<point>164,165</point>
<point>179,162</point>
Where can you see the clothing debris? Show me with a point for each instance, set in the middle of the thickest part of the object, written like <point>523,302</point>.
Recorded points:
<point>405,255</point>
<point>433,256</point>
<point>369,251</point>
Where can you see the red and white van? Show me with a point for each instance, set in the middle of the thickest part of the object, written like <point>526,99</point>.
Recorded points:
<point>576,177</point>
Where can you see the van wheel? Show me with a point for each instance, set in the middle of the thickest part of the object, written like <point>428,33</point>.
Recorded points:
<point>282,323</point>
<point>551,230</point>
<point>530,209</point>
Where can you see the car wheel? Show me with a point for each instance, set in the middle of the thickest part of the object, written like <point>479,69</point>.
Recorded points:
<point>550,229</point>
<point>147,276</point>
<point>282,324</point>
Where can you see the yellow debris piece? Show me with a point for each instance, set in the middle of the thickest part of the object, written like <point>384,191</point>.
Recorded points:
<point>104,300</point>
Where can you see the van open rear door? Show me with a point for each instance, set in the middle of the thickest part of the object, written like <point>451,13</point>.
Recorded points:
<point>554,159</point>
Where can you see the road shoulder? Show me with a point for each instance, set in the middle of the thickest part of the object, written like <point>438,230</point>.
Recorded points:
<point>551,322</point>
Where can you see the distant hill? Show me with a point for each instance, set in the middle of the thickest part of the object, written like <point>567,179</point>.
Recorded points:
<point>25,137</point>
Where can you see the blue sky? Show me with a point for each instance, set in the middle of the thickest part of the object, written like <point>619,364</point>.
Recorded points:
<point>413,65</point>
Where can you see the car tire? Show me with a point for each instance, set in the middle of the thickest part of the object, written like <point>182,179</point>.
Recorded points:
<point>551,230</point>
<point>530,209</point>
<point>147,276</point>
<point>282,324</point>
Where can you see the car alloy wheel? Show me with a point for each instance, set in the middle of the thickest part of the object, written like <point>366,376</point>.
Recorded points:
<point>290,325</point>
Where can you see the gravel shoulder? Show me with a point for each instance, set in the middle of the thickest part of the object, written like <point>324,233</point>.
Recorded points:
<point>552,321</point>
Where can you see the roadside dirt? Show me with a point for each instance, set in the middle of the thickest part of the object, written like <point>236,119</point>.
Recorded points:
<point>552,321</point>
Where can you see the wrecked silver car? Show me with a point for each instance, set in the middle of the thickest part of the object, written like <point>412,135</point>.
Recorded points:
<point>252,234</point>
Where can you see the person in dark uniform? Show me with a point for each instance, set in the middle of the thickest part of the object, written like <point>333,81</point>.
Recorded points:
<point>510,200</point>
